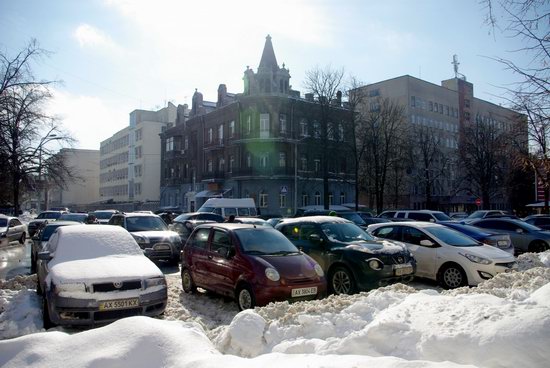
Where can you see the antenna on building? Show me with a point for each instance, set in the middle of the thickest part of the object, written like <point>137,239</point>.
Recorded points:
<point>455,67</point>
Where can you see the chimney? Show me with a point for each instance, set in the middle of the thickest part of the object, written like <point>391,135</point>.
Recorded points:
<point>309,96</point>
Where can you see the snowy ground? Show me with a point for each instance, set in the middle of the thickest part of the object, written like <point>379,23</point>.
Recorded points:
<point>504,322</point>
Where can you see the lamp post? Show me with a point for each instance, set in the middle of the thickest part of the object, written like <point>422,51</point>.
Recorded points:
<point>46,139</point>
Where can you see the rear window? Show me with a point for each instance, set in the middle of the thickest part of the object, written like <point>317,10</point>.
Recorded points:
<point>3,222</point>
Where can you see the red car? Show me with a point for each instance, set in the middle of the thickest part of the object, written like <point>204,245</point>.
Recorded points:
<point>255,265</point>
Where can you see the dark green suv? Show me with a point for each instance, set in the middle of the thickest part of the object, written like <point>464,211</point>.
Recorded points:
<point>352,259</point>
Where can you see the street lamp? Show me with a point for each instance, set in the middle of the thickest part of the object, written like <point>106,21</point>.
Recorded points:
<point>43,141</point>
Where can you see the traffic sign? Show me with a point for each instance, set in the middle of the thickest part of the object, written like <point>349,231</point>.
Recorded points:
<point>478,201</point>
<point>284,189</point>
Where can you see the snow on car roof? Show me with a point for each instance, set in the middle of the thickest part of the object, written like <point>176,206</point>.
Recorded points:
<point>92,241</point>
<point>316,219</point>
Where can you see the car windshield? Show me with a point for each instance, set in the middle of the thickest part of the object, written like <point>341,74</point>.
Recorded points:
<point>49,215</point>
<point>441,216</point>
<point>48,231</point>
<point>345,232</point>
<point>264,241</point>
<point>452,237</point>
<point>3,222</point>
<point>73,217</point>
<point>103,215</point>
<point>353,217</point>
<point>145,223</point>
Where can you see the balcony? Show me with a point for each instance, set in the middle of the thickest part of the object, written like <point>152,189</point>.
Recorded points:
<point>213,176</point>
<point>218,143</point>
<point>263,171</point>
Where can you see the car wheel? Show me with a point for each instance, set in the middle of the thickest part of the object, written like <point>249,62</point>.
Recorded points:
<point>452,276</point>
<point>341,281</point>
<point>22,238</point>
<point>187,283</point>
<point>245,298</point>
<point>538,246</point>
<point>46,315</point>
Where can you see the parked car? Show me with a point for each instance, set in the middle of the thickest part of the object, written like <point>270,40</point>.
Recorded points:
<point>274,221</point>
<point>152,235</point>
<point>485,236</point>
<point>375,220</point>
<point>41,219</point>
<point>525,237</point>
<point>352,259</point>
<point>77,217</point>
<point>186,222</point>
<point>484,213</point>
<point>103,216</point>
<point>458,215</point>
<point>348,215</point>
<point>254,265</point>
<point>230,206</point>
<point>415,215</point>
<point>94,274</point>
<point>302,210</point>
<point>446,255</point>
<point>41,237</point>
<point>11,229</point>
<point>542,221</point>
<point>251,221</point>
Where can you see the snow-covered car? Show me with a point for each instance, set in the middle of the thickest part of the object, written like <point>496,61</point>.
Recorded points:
<point>11,229</point>
<point>94,274</point>
<point>41,237</point>
<point>446,255</point>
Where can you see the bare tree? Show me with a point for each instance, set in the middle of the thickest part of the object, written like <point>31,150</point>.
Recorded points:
<point>431,163</point>
<point>325,85</point>
<point>483,155</point>
<point>25,128</point>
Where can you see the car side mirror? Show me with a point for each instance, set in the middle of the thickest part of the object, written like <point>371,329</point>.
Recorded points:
<point>315,238</point>
<point>427,243</point>
<point>44,256</point>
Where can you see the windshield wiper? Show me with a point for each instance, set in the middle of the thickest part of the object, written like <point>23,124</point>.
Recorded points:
<point>283,252</point>
<point>255,252</point>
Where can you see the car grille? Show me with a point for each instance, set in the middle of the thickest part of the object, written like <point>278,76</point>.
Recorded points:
<point>297,281</point>
<point>112,286</point>
<point>507,265</point>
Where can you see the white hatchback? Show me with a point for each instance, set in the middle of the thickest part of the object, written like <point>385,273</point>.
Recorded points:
<point>446,255</point>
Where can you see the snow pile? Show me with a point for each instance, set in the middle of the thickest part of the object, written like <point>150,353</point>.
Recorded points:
<point>530,260</point>
<point>19,282</point>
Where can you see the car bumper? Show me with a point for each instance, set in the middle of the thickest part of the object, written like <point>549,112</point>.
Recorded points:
<point>162,252</point>
<point>68,311</point>
<point>370,279</point>
<point>266,294</point>
<point>478,273</point>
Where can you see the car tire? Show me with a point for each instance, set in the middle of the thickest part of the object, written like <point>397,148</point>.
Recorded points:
<point>22,238</point>
<point>46,314</point>
<point>245,298</point>
<point>452,276</point>
<point>341,281</point>
<point>187,283</point>
<point>538,246</point>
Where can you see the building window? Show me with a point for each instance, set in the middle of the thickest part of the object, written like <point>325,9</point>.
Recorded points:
<point>248,124</point>
<point>317,198</point>
<point>435,107</point>
<point>137,151</point>
<point>231,163</point>
<point>264,125</point>
<point>466,102</point>
<point>263,160</point>
<point>221,164</point>
<point>374,93</point>
<point>340,132</point>
<point>282,123</point>
<point>263,200</point>
<point>330,197</point>
<point>248,160</point>
<point>441,108</point>
<point>169,144</point>
<point>209,165</point>
<point>303,128</point>
<point>220,133</point>
<point>413,101</point>
<point>303,162</point>
<point>209,137</point>
<point>342,197</point>
<point>305,199</point>
<point>138,135</point>
<point>282,200</point>
<point>137,171</point>
<point>431,106</point>
<point>317,165</point>
<point>282,159</point>
<point>232,128</point>
<point>186,143</point>
<point>316,130</point>
<point>330,131</point>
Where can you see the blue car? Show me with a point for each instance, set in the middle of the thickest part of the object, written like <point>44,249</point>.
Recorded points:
<point>501,241</point>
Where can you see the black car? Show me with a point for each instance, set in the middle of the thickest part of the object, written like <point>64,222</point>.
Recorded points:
<point>352,259</point>
<point>41,219</point>
<point>151,234</point>
<point>186,222</point>
<point>348,215</point>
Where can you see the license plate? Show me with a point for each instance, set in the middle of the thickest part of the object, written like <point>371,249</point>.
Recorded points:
<point>162,247</point>
<point>304,291</point>
<point>119,304</point>
<point>403,269</point>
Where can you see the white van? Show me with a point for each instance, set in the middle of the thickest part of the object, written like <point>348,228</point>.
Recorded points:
<point>240,207</point>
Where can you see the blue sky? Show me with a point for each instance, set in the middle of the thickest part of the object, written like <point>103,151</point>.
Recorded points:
<point>116,56</point>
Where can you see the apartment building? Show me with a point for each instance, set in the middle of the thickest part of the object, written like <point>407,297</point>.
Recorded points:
<point>83,188</point>
<point>264,143</point>
<point>130,159</point>
<point>443,110</point>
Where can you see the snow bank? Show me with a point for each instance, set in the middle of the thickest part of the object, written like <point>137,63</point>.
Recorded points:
<point>20,312</point>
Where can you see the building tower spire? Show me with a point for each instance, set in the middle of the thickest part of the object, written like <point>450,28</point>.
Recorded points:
<point>268,60</point>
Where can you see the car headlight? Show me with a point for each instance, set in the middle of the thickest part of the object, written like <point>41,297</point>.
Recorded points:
<point>272,274</point>
<point>476,259</point>
<point>141,239</point>
<point>375,264</point>
<point>70,288</point>
<point>3,235</point>
<point>318,270</point>
<point>155,281</point>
